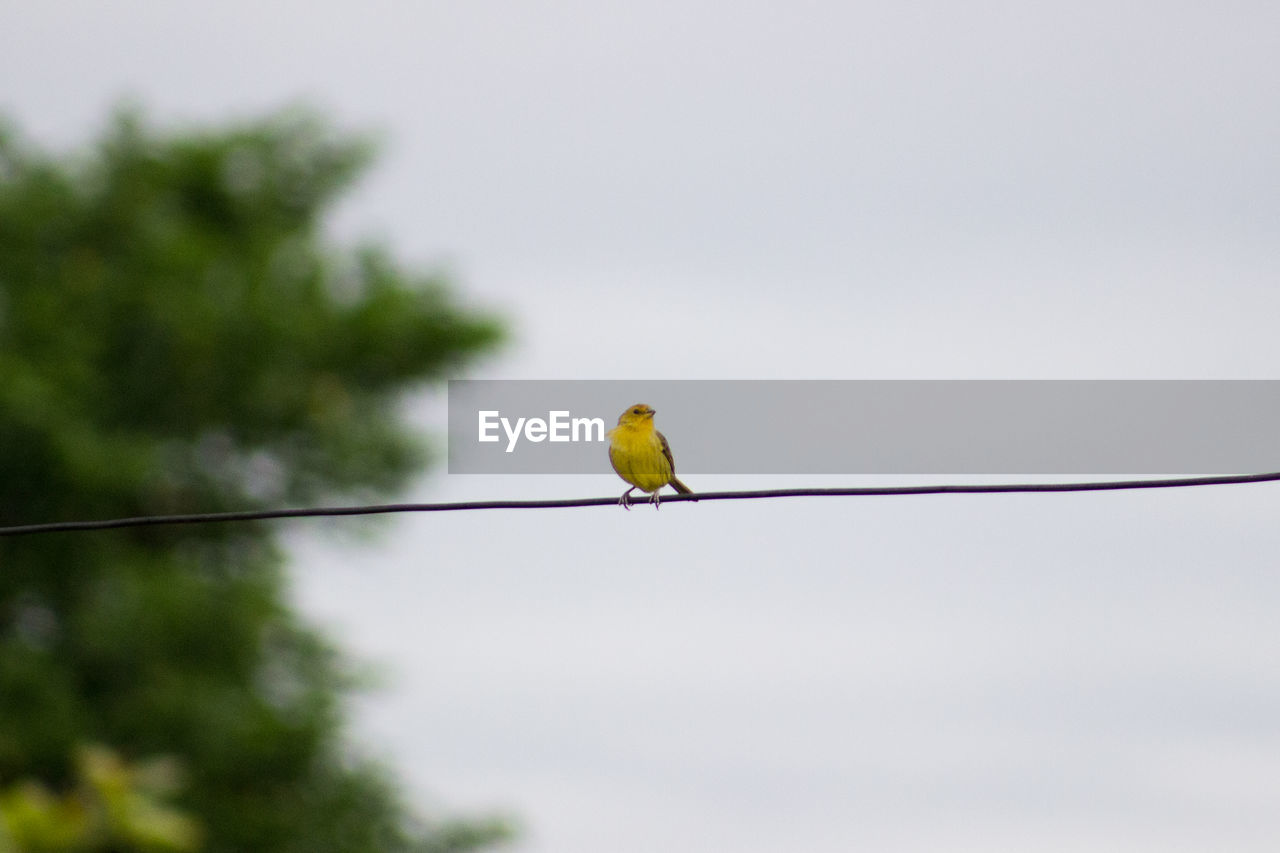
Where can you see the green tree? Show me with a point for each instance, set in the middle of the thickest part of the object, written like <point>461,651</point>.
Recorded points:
<point>113,806</point>
<point>176,335</point>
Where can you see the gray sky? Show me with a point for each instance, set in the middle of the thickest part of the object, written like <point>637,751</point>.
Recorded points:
<point>822,190</point>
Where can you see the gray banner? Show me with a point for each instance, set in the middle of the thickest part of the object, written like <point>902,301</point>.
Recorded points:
<point>876,427</point>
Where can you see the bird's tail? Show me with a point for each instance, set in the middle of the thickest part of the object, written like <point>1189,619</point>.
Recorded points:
<point>681,487</point>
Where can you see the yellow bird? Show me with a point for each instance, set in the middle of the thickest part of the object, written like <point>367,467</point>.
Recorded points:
<point>641,456</point>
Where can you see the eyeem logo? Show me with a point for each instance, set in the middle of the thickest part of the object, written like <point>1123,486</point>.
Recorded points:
<point>926,426</point>
<point>558,426</point>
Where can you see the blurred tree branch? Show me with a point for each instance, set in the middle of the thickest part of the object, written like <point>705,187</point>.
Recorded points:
<point>177,334</point>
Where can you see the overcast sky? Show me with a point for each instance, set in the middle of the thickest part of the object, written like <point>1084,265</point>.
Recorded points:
<point>812,190</point>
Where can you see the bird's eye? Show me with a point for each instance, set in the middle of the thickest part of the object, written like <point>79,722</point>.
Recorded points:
<point>635,411</point>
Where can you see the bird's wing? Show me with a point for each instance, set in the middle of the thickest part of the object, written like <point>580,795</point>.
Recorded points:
<point>666,451</point>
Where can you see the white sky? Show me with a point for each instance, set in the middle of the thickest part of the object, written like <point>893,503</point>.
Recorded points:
<point>753,190</point>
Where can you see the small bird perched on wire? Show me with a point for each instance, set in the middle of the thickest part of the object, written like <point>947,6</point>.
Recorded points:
<point>641,456</point>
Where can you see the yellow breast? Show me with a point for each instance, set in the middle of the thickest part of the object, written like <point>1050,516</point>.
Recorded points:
<point>637,456</point>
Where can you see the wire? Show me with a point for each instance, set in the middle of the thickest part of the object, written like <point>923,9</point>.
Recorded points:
<point>868,491</point>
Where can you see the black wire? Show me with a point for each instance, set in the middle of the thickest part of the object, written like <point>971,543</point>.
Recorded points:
<point>867,491</point>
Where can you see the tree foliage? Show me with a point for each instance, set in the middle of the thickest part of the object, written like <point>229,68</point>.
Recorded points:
<point>177,335</point>
<point>113,806</point>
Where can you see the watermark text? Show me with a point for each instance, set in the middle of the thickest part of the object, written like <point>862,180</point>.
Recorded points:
<point>558,426</point>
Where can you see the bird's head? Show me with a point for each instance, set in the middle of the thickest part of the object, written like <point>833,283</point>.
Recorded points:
<point>636,415</point>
